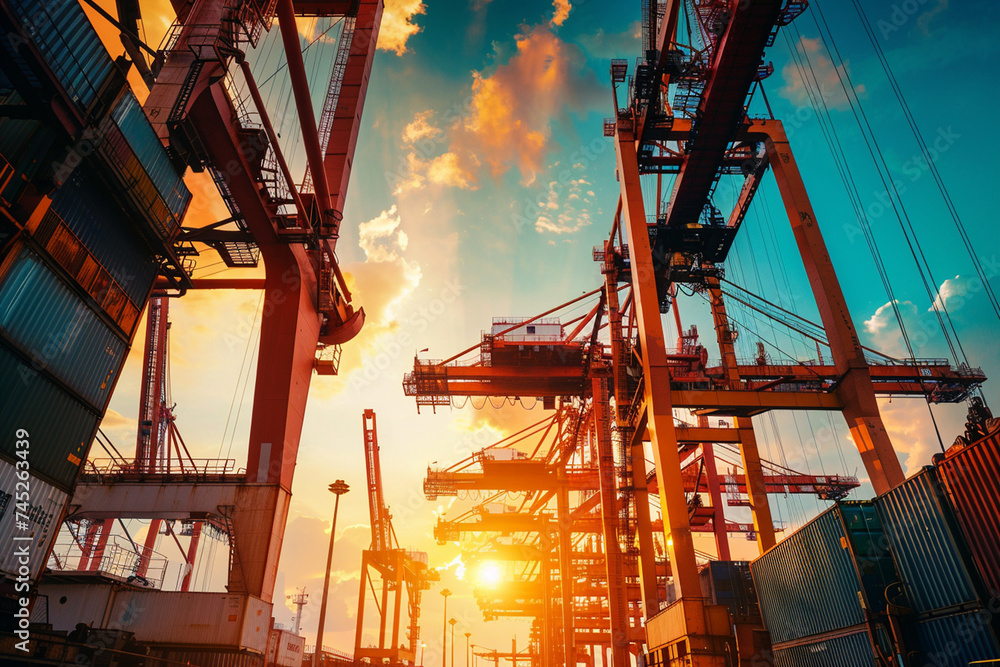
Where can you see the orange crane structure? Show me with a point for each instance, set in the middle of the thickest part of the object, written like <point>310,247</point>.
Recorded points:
<point>571,465</point>
<point>684,112</point>
<point>397,570</point>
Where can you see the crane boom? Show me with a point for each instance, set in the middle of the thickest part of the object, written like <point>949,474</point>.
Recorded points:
<point>378,513</point>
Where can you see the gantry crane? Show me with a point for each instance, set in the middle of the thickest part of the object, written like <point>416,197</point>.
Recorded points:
<point>397,569</point>
<point>699,133</point>
<point>205,108</point>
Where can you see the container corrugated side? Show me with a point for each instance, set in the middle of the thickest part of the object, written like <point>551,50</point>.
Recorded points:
<point>69,43</point>
<point>62,334</point>
<point>88,209</point>
<point>806,584</point>
<point>192,619</point>
<point>851,650</point>
<point>957,639</point>
<point>926,544</point>
<point>135,127</point>
<point>256,624</point>
<point>72,603</point>
<point>45,505</point>
<point>60,428</point>
<point>971,475</point>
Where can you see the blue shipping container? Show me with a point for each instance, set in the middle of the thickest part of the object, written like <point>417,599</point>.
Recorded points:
<point>69,43</point>
<point>957,639</point>
<point>852,650</point>
<point>135,127</point>
<point>88,209</point>
<point>926,544</point>
<point>60,427</point>
<point>61,333</point>
<point>807,584</point>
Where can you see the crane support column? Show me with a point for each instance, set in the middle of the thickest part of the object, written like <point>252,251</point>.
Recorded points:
<point>855,390</point>
<point>659,411</point>
<point>566,569</point>
<point>715,493</point>
<point>617,595</point>
<point>688,626</point>
<point>756,486</point>
<point>631,445</point>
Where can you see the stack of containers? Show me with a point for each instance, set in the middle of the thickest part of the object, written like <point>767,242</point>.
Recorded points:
<point>70,299</point>
<point>971,476</point>
<point>950,625</point>
<point>821,590</point>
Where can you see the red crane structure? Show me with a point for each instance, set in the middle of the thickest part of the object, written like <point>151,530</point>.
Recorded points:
<point>205,108</point>
<point>397,570</point>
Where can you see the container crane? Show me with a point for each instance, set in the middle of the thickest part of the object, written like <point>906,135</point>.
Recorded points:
<point>396,568</point>
<point>700,133</point>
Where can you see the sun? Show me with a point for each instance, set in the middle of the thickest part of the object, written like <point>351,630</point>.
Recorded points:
<point>489,575</point>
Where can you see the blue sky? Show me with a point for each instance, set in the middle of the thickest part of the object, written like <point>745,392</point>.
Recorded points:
<point>481,182</point>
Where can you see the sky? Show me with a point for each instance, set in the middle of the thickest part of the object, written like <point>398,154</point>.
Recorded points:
<point>481,183</point>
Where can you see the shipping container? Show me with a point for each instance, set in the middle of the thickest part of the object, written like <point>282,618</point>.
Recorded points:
<point>844,650</point>
<point>51,323</point>
<point>69,44</point>
<point>72,603</point>
<point>807,584</point>
<point>135,127</point>
<point>24,146</point>
<point>926,544</point>
<point>955,640</point>
<point>730,583</point>
<point>970,475</point>
<point>88,209</point>
<point>26,531</point>
<point>285,649</point>
<point>60,427</point>
<point>217,620</point>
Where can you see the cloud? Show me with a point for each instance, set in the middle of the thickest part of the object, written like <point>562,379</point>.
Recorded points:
<point>560,11</point>
<point>510,117</point>
<point>924,20</point>
<point>397,24</point>
<point>913,436</point>
<point>420,128</point>
<point>573,214</point>
<point>381,238</point>
<point>382,283</point>
<point>302,562</point>
<point>950,294</point>
<point>883,328</point>
<point>420,136</point>
<point>510,123</point>
<point>827,77</point>
<point>446,170</point>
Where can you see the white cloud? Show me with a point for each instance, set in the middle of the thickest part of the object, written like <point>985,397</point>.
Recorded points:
<point>950,294</point>
<point>827,77</point>
<point>381,238</point>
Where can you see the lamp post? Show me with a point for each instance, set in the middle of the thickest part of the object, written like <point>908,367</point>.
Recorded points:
<point>444,629</point>
<point>467,635</point>
<point>338,489</point>
<point>453,622</point>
